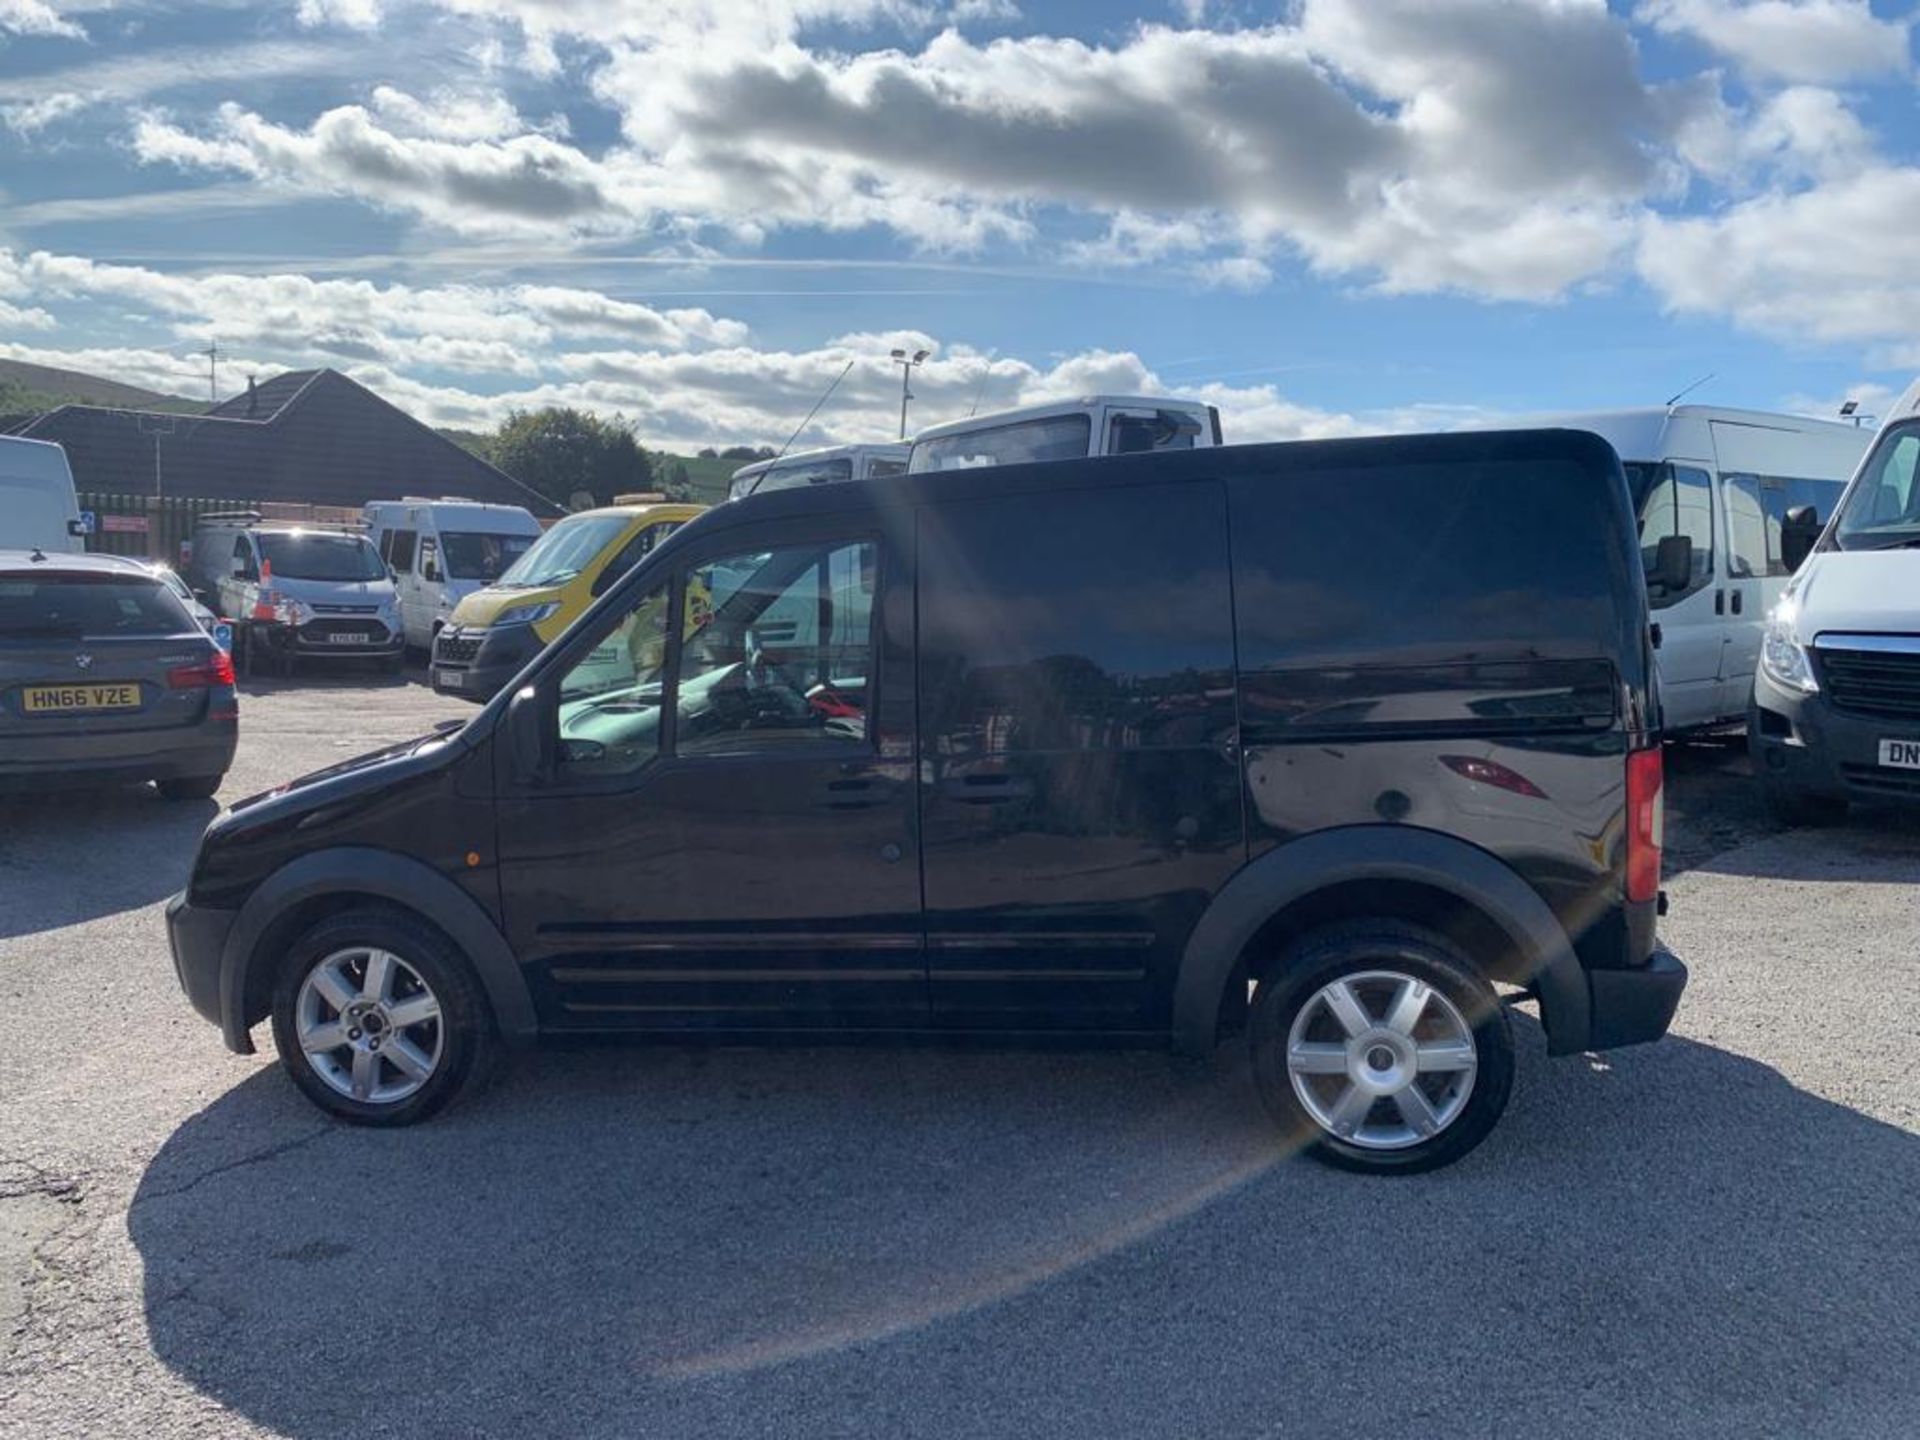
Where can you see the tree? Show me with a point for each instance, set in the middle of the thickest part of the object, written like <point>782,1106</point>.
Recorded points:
<point>747,452</point>
<point>563,452</point>
<point>679,484</point>
<point>709,453</point>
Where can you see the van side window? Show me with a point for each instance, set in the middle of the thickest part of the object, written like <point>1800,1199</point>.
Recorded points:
<point>778,649</point>
<point>633,552</point>
<point>882,469</point>
<point>1775,495</point>
<point>397,550</point>
<point>1746,528</point>
<point>1119,640</point>
<point>609,711</point>
<point>1676,500</point>
<point>1424,563</point>
<point>1142,434</point>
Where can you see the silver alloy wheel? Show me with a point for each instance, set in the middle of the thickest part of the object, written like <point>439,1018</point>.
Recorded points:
<point>1381,1060</point>
<point>369,1025</point>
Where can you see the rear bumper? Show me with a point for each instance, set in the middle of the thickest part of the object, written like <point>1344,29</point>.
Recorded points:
<point>1802,743</point>
<point>198,937</point>
<point>1631,1007</point>
<point>59,762</point>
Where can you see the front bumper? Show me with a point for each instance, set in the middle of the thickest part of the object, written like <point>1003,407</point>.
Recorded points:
<point>122,757</point>
<point>1631,1007</point>
<point>476,663</point>
<point>197,936</point>
<point>313,640</point>
<point>1802,743</point>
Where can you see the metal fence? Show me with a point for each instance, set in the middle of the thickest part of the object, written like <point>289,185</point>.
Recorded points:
<point>158,527</point>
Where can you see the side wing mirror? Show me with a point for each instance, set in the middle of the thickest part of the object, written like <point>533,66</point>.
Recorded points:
<point>1673,564</point>
<point>1799,533</point>
<point>530,749</point>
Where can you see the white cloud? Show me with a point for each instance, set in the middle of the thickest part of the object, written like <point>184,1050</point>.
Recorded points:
<point>349,14</point>
<point>17,317</point>
<point>1489,146</point>
<point>28,117</point>
<point>37,17</point>
<point>1829,264</point>
<point>473,329</point>
<point>1817,42</point>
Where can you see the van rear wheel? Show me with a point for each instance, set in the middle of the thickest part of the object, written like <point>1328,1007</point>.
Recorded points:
<point>379,1019</point>
<point>1379,1047</point>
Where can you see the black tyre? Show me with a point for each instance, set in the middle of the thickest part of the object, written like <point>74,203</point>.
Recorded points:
<point>1379,1047</point>
<point>379,1019</point>
<point>1801,809</point>
<point>189,787</point>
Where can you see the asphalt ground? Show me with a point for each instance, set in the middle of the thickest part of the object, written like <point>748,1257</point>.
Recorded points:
<point>1718,1234</point>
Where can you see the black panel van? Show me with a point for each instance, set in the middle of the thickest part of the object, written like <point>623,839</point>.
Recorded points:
<point>1340,746</point>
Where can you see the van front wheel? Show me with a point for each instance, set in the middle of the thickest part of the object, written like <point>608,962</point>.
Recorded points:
<point>378,1019</point>
<point>1379,1047</point>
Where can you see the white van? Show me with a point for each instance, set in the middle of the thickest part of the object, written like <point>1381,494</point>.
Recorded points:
<point>818,467</point>
<point>441,551</point>
<point>1712,488</point>
<point>1067,430</point>
<point>1836,692</point>
<point>38,507</point>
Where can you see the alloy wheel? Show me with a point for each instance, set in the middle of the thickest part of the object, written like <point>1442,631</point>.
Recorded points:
<point>369,1025</point>
<point>1381,1060</point>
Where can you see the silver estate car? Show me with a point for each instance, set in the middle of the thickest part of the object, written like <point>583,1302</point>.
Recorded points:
<point>106,679</point>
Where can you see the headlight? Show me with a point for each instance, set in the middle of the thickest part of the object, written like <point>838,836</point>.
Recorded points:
<point>295,612</point>
<point>1784,659</point>
<point>531,614</point>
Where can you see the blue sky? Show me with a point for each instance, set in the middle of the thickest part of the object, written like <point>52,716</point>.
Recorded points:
<point>1328,216</point>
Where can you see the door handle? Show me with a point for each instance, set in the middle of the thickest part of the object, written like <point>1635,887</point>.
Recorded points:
<point>1736,601</point>
<point>1719,602</point>
<point>859,793</point>
<point>987,789</point>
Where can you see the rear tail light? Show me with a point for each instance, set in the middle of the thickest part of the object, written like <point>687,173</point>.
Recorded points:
<point>1646,823</point>
<point>217,669</point>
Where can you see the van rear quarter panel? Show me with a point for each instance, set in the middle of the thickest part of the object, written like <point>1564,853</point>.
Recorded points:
<point>1456,641</point>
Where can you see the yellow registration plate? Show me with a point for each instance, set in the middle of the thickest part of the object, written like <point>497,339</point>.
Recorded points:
<point>64,699</point>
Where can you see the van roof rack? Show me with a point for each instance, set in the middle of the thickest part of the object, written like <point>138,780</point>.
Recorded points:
<point>251,517</point>
<point>641,497</point>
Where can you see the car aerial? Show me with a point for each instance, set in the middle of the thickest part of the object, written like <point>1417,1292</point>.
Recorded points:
<point>297,592</point>
<point>1836,693</point>
<point>105,678</point>
<point>1366,728</point>
<point>494,632</point>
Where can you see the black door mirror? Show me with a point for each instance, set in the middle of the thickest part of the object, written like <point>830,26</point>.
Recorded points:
<point>1673,564</point>
<point>529,737</point>
<point>1799,532</point>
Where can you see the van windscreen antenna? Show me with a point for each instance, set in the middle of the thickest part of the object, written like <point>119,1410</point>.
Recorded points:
<point>816,408</point>
<point>1675,400</point>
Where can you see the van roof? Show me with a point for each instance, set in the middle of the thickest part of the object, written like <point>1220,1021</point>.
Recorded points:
<point>895,449</point>
<point>647,509</point>
<point>886,498</point>
<point>453,507</point>
<point>1638,432</point>
<point>1907,406</point>
<point>994,419</point>
<point>65,562</point>
<point>42,457</point>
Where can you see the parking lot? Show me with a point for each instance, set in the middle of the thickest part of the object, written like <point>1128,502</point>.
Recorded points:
<point>1715,1234</point>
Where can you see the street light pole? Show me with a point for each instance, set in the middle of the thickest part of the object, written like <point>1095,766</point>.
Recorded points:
<point>906,363</point>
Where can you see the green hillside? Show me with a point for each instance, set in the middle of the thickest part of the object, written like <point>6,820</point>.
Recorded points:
<point>28,388</point>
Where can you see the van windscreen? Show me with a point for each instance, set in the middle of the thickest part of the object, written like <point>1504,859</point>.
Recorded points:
<point>1049,437</point>
<point>480,555</point>
<point>302,555</point>
<point>564,551</point>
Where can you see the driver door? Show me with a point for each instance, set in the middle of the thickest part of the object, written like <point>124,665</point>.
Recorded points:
<point>725,839</point>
